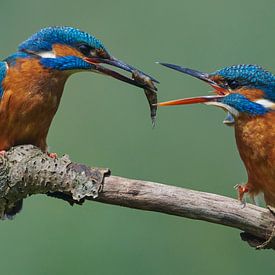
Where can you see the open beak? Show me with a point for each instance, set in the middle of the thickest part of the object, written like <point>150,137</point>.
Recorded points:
<point>96,61</point>
<point>219,90</point>
<point>191,100</point>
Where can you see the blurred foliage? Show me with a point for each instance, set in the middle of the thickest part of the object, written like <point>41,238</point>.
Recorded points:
<point>104,122</point>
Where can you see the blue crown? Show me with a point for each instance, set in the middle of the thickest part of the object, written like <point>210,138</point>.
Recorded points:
<point>47,37</point>
<point>250,75</point>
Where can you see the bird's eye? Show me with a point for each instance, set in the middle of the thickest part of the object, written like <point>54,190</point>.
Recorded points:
<point>85,49</point>
<point>233,84</point>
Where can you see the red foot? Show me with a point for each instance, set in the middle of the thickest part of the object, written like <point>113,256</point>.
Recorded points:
<point>3,152</point>
<point>242,189</point>
<point>52,155</point>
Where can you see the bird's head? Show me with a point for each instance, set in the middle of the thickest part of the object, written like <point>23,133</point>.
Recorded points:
<point>70,50</point>
<point>240,90</point>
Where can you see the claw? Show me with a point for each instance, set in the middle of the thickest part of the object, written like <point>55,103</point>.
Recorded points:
<point>52,155</point>
<point>241,189</point>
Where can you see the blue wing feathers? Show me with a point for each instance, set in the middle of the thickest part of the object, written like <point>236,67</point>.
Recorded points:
<point>3,71</point>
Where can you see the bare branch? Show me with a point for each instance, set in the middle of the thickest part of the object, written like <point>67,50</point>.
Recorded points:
<point>25,170</point>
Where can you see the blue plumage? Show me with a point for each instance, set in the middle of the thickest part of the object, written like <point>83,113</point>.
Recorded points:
<point>45,38</point>
<point>3,71</point>
<point>248,75</point>
<point>242,104</point>
<point>11,60</point>
<point>66,63</point>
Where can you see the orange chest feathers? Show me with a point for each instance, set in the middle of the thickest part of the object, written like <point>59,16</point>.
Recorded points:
<point>31,98</point>
<point>255,137</point>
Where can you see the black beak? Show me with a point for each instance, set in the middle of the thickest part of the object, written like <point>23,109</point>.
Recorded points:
<point>199,75</point>
<point>96,61</point>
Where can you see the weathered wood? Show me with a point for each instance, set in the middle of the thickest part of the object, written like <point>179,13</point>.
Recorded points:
<point>25,170</point>
<point>145,195</point>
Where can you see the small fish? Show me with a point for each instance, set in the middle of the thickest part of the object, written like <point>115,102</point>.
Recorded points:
<point>150,91</point>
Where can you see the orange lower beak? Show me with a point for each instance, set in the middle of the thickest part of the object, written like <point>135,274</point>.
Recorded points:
<point>219,90</point>
<point>191,100</point>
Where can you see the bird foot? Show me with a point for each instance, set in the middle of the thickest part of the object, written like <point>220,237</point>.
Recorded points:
<point>3,152</point>
<point>241,189</point>
<point>52,155</point>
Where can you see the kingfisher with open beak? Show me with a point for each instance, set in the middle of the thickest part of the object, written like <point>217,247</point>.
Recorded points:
<point>247,93</point>
<point>32,81</point>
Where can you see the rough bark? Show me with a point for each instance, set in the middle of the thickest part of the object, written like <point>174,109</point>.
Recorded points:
<point>25,170</point>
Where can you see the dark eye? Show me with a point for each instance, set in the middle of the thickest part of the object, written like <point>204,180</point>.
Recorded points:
<point>233,84</point>
<point>85,49</point>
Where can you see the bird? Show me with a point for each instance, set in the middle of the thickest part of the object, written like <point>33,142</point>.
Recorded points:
<point>247,93</point>
<point>32,81</point>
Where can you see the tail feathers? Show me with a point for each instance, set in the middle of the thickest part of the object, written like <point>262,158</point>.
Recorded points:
<point>13,210</point>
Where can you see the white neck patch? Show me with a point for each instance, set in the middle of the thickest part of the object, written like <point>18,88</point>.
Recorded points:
<point>226,107</point>
<point>47,54</point>
<point>266,103</point>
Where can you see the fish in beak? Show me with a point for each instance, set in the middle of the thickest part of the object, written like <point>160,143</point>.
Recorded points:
<point>139,79</point>
<point>112,61</point>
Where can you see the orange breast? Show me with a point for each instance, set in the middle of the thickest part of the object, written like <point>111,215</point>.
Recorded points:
<point>255,137</point>
<point>31,98</point>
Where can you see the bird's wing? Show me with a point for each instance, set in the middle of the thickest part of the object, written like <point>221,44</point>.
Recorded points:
<point>3,71</point>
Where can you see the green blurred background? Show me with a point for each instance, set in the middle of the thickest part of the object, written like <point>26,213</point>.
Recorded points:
<point>104,122</point>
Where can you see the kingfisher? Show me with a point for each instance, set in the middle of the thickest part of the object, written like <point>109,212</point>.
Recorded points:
<point>32,81</point>
<point>33,78</point>
<point>247,93</point>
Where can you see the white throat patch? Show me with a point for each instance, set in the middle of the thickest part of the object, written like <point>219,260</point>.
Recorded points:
<point>266,103</point>
<point>47,54</point>
<point>228,108</point>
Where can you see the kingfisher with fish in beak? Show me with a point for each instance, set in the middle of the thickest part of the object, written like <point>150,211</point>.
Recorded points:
<point>32,81</point>
<point>247,93</point>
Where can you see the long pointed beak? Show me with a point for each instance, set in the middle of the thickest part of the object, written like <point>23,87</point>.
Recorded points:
<point>121,65</point>
<point>219,90</point>
<point>199,75</point>
<point>191,100</point>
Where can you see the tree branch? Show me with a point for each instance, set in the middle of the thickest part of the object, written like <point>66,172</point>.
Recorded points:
<point>25,171</point>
